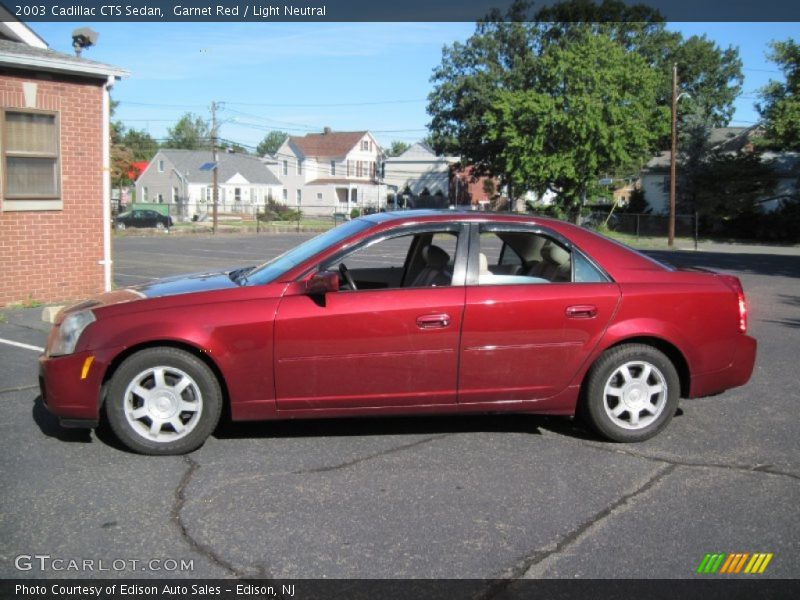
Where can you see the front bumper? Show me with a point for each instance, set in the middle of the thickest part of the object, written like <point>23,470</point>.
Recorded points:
<point>737,373</point>
<point>68,392</point>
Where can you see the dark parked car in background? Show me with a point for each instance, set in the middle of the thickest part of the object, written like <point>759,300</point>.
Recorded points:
<point>142,218</point>
<point>418,312</point>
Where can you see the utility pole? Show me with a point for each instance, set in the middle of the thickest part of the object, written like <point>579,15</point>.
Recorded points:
<point>673,162</point>
<point>215,170</point>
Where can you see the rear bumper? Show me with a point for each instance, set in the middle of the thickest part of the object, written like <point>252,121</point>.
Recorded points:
<point>734,375</point>
<point>69,393</point>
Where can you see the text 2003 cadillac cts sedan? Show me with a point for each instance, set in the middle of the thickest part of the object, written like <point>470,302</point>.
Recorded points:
<point>404,313</point>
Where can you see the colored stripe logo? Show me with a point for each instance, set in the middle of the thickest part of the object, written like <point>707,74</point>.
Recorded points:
<point>734,564</point>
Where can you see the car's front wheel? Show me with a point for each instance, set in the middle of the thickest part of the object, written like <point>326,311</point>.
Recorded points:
<point>631,393</point>
<point>163,401</point>
<point>120,226</point>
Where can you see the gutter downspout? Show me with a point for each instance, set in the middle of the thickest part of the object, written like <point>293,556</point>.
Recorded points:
<point>107,262</point>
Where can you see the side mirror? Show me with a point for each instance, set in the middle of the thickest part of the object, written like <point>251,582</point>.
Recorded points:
<point>322,282</point>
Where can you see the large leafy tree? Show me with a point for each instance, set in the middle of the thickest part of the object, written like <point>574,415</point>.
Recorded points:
<point>271,142</point>
<point>502,68</point>
<point>587,111</point>
<point>780,101</point>
<point>191,132</point>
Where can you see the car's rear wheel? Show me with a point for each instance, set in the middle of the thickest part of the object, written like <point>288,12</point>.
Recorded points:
<point>159,225</point>
<point>631,393</point>
<point>163,401</point>
<point>121,226</point>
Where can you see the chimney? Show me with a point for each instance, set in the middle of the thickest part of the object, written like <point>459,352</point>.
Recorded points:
<point>326,130</point>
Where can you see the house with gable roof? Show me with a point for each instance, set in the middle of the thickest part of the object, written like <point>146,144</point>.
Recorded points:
<point>419,172</point>
<point>55,189</point>
<point>183,179</point>
<point>330,172</point>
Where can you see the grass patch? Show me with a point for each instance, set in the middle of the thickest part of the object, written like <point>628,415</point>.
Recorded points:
<point>3,318</point>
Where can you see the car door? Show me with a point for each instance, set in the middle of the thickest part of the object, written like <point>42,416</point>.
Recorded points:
<point>527,330</point>
<point>387,344</point>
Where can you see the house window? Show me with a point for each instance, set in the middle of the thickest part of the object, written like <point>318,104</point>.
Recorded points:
<point>237,194</point>
<point>254,195</point>
<point>365,145</point>
<point>319,195</point>
<point>144,194</point>
<point>299,196</point>
<point>160,198</point>
<point>286,167</point>
<point>285,195</point>
<point>160,166</point>
<point>30,154</point>
<point>333,167</point>
<point>299,166</point>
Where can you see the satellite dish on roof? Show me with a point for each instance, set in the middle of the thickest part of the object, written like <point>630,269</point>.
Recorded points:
<point>83,37</point>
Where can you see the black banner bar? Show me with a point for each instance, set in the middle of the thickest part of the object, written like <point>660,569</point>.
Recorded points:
<point>733,588</point>
<point>364,10</point>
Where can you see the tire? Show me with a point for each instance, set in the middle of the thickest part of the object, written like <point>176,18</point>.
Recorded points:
<point>159,225</point>
<point>631,394</point>
<point>121,226</point>
<point>163,401</point>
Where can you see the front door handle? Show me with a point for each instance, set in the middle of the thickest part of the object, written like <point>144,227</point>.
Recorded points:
<point>433,321</point>
<point>582,311</point>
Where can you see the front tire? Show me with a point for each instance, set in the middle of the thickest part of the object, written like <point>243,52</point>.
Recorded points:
<point>163,401</point>
<point>631,393</point>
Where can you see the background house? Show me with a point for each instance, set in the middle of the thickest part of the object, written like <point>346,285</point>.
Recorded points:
<point>655,174</point>
<point>419,172</point>
<point>55,203</point>
<point>177,178</point>
<point>332,171</point>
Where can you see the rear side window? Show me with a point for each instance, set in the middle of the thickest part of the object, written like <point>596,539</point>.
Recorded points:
<point>529,257</point>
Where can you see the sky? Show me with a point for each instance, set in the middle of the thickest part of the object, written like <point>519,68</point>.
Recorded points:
<point>301,77</point>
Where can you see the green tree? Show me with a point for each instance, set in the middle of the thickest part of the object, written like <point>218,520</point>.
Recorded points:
<point>587,111</point>
<point>502,67</point>
<point>780,102</point>
<point>142,145</point>
<point>396,148</point>
<point>191,132</point>
<point>271,142</point>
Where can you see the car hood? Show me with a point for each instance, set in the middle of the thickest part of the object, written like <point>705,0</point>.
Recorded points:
<point>170,286</point>
<point>186,284</point>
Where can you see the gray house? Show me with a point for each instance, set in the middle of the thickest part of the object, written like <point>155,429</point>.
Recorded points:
<point>184,180</point>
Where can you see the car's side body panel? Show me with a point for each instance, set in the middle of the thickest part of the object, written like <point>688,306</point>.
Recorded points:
<point>523,342</point>
<point>368,348</point>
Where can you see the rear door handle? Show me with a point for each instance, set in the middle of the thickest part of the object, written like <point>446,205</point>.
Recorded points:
<point>582,311</point>
<point>433,321</point>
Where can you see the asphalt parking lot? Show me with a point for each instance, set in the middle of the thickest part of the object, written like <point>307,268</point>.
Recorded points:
<point>465,497</point>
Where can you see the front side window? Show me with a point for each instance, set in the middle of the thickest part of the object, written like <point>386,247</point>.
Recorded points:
<point>413,260</point>
<point>30,150</point>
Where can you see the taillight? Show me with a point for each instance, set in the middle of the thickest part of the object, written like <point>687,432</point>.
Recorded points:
<point>736,286</point>
<point>742,313</point>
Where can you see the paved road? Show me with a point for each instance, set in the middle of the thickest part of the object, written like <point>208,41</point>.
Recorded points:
<point>496,496</point>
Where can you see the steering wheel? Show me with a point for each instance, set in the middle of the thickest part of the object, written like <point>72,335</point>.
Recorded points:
<point>347,277</point>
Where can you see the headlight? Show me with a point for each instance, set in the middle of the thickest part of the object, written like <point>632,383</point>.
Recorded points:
<point>70,332</point>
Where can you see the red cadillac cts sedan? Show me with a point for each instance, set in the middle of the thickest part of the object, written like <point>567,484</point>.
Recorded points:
<point>417,312</point>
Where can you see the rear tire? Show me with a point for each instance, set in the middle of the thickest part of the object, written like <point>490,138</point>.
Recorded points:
<point>631,393</point>
<point>163,401</point>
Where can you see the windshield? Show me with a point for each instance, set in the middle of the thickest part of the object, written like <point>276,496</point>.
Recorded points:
<point>271,270</point>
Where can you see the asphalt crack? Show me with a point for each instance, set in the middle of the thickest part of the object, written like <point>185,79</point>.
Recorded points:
<point>179,503</point>
<point>522,566</point>
<point>20,388</point>
<point>757,468</point>
<point>356,461</point>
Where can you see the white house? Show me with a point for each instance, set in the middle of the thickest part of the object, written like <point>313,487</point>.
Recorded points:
<point>330,172</point>
<point>419,169</point>
<point>184,179</point>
